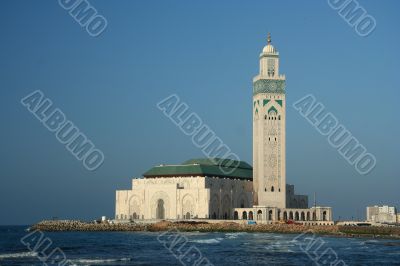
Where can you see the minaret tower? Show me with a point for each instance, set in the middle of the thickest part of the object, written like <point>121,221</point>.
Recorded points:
<point>269,132</point>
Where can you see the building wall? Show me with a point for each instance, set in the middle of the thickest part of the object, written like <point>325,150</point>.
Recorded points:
<point>273,214</point>
<point>295,201</point>
<point>381,214</point>
<point>182,198</point>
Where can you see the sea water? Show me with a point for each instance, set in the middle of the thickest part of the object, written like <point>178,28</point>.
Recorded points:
<point>151,248</point>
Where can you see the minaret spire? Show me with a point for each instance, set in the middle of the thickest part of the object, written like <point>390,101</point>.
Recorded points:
<point>269,38</point>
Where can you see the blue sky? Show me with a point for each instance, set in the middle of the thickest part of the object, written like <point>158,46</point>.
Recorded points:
<point>207,53</point>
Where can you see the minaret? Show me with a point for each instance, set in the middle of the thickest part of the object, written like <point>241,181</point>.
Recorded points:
<point>269,132</point>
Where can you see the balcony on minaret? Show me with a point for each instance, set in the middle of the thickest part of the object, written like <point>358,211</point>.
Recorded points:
<point>269,63</point>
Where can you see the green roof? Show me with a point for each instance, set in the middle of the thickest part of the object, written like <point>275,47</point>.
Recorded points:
<point>204,167</point>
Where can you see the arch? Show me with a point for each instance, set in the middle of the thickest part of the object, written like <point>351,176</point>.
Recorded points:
<point>244,215</point>
<point>242,201</point>
<point>135,216</point>
<point>251,215</point>
<point>324,216</point>
<point>272,111</point>
<point>314,216</point>
<point>186,215</point>
<point>157,206</point>
<point>134,207</point>
<point>235,215</point>
<point>214,206</point>
<point>272,189</point>
<point>160,210</point>
<point>290,215</point>
<point>279,215</point>
<point>226,206</point>
<point>188,206</point>
<point>285,216</point>
<point>308,216</point>
<point>270,215</point>
<point>259,215</point>
<point>296,216</point>
<point>303,216</point>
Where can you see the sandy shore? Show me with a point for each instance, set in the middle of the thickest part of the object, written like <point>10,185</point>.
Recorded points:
<point>187,226</point>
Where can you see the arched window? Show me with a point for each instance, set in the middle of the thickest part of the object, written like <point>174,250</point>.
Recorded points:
<point>244,215</point>
<point>265,189</point>
<point>259,215</point>
<point>272,189</point>
<point>270,215</point>
<point>235,215</point>
<point>250,215</point>
<point>160,210</point>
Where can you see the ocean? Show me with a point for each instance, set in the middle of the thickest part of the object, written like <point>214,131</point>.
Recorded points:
<point>20,247</point>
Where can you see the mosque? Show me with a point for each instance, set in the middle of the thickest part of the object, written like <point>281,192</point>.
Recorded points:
<point>225,189</point>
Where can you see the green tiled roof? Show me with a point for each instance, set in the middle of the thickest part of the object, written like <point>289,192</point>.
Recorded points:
<point>204,167</point>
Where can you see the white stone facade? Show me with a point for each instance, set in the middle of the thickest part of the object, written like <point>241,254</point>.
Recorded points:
<point>183,198</point>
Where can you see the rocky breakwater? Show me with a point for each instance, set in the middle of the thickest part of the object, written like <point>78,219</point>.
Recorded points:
<point>204,226</point>
<point>185,226</point>
<point>69,225</point>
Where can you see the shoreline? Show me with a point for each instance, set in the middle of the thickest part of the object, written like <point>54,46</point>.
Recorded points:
<point>223,227</point>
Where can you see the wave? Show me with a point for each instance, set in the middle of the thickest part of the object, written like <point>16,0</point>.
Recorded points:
<point>208,241</point>
<point>97,261</point>
<point>234,235</point>
<point>18,255</point>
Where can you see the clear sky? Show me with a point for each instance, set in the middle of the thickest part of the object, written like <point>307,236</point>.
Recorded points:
<point>207,53</point>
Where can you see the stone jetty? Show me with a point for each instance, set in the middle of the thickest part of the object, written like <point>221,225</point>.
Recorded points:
<point>204,226</point>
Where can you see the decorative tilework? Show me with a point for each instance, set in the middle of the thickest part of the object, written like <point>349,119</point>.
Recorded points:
<point>268,86</point>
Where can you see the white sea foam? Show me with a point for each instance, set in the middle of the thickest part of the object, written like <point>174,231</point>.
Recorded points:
<point>234,235</point>
<point>208,241</point>
<point>18,255</point>
<point>96,261</point>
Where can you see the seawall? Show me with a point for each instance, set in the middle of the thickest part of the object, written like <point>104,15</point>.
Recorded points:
<point>186,226</point>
